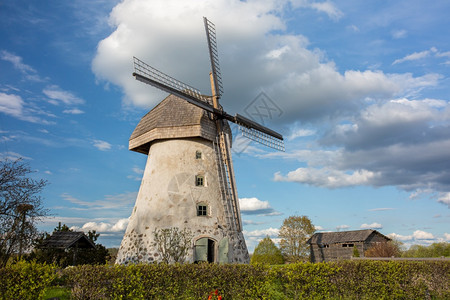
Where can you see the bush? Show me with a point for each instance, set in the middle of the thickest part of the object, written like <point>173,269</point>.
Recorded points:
<point>26,280</point>
<point>339,280</point>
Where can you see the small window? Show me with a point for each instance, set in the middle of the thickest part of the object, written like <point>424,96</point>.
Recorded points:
<point>202,210</point>
<point>347,245</point>
<point>199,180</point>
<point>198,155</point>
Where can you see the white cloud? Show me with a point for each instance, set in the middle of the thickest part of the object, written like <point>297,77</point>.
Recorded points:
<point>371,226</point>
<point>74,111</point>
<point>109,202</point>
<point>329,8</point>
<point>447,236</point>
<point>319,228</point>
<point>444,198</point>
<point>262,232</point>
<point>399,34</point>
<point>57,95</point>
<point>326,177</point>
<point>400,237</point>
<point>18,64</point>
<point>340,227</point>
<point>415,56</point>
<point>381,209</point>
<point>11,104</point>
<point>103,227</point>
<point>255,206</point>
<point>12,155</point>
<point>300,133</point>
<point>102,145</point>
<point>422,235</point>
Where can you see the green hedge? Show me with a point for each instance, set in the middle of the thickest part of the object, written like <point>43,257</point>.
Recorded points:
<point>340,280</point>
<point>26,280</point>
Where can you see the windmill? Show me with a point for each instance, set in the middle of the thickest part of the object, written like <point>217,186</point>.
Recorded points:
<point>189,179</point>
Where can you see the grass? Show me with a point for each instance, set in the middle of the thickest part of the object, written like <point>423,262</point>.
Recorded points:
<point>57,292</point>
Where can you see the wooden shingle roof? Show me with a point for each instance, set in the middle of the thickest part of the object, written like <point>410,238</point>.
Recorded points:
<point>172,118</point>
<point>343,236</point>
<point>68,239</point>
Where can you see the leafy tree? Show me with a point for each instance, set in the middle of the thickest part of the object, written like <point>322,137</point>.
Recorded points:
<point>433,250</point>
<point>385,249</point>
<point>172,244</point>
<point>294,233</point>
<point>267,253</point>
<point>355,251</point>
<point>20,208</point>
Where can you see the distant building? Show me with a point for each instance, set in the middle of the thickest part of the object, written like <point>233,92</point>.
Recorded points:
<point>329,246</point>
<point>68,240</point>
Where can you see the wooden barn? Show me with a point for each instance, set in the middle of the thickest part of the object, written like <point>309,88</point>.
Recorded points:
<point>329,246</point>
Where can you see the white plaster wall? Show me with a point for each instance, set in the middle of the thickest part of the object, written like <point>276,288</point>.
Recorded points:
<point>168,197</point>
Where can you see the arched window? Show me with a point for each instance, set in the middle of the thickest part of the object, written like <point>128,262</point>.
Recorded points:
<point>198,154</point>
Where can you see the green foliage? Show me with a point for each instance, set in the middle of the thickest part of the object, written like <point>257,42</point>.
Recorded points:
<point>362,279</point>
<point>294,233</point>
<point>61,293</point>
<point>25,280</point>
<point>434,250</point>
<point>355,251</point>
<point>267,253</point>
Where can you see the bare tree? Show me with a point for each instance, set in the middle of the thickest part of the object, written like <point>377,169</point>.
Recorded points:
<point>172,244</point>
<point>20,208</point>
<point>384,249</point>
<point>294,233</point>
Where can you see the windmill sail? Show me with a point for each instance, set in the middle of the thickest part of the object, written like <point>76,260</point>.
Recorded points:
<point>214,57</point>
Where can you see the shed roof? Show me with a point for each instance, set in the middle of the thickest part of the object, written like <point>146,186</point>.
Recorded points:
<point>343,236</point>
<point>68,239</point>
<point>173,117</point>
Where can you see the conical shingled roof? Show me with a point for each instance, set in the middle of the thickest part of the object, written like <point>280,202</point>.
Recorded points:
<point>172,118</point>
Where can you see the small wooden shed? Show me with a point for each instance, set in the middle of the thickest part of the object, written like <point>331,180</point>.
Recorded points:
<point>69,240</point>
<point>329,246</point>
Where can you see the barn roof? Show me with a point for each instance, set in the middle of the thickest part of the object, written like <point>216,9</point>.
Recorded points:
<point>68,239</point>
<point>343,236</point>
<point>172,118</point>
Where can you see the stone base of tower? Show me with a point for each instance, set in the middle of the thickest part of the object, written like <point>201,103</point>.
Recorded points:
<point>180,188</point>
<point>227,249</point>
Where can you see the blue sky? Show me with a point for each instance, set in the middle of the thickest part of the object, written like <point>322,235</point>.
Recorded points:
<point>361,90</point>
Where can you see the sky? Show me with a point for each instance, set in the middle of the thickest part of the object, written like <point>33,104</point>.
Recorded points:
<point>359,90</point>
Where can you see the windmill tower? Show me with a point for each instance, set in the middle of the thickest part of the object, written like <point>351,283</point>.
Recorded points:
<point>188,180</point>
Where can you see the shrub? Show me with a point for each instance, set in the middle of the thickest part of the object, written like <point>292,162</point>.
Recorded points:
<point>25,280</point>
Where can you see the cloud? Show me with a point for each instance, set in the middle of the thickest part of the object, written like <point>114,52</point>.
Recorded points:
<point>102,145</point>
<point>57,96</point>
<point>17,61</point>
<point>109,202</point>
<point>444,198</point>
<point>254,206</point>
<point>447,236</point>
<point>340,227</point>
<point>418,237</point>
<point>300,133</point>
<point>12,155</point>
<point>103,227</point>
<point>74,111</point>
<point>326,177</point>
<point>15,106</point>
<point>138,172</point>
<point>256,49</point>
<point>399,34</point>
<point>415,56</point>
<point>262,232</point>
<point>371,226</point>
<point>329,8</point>
<point>381,209</point>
